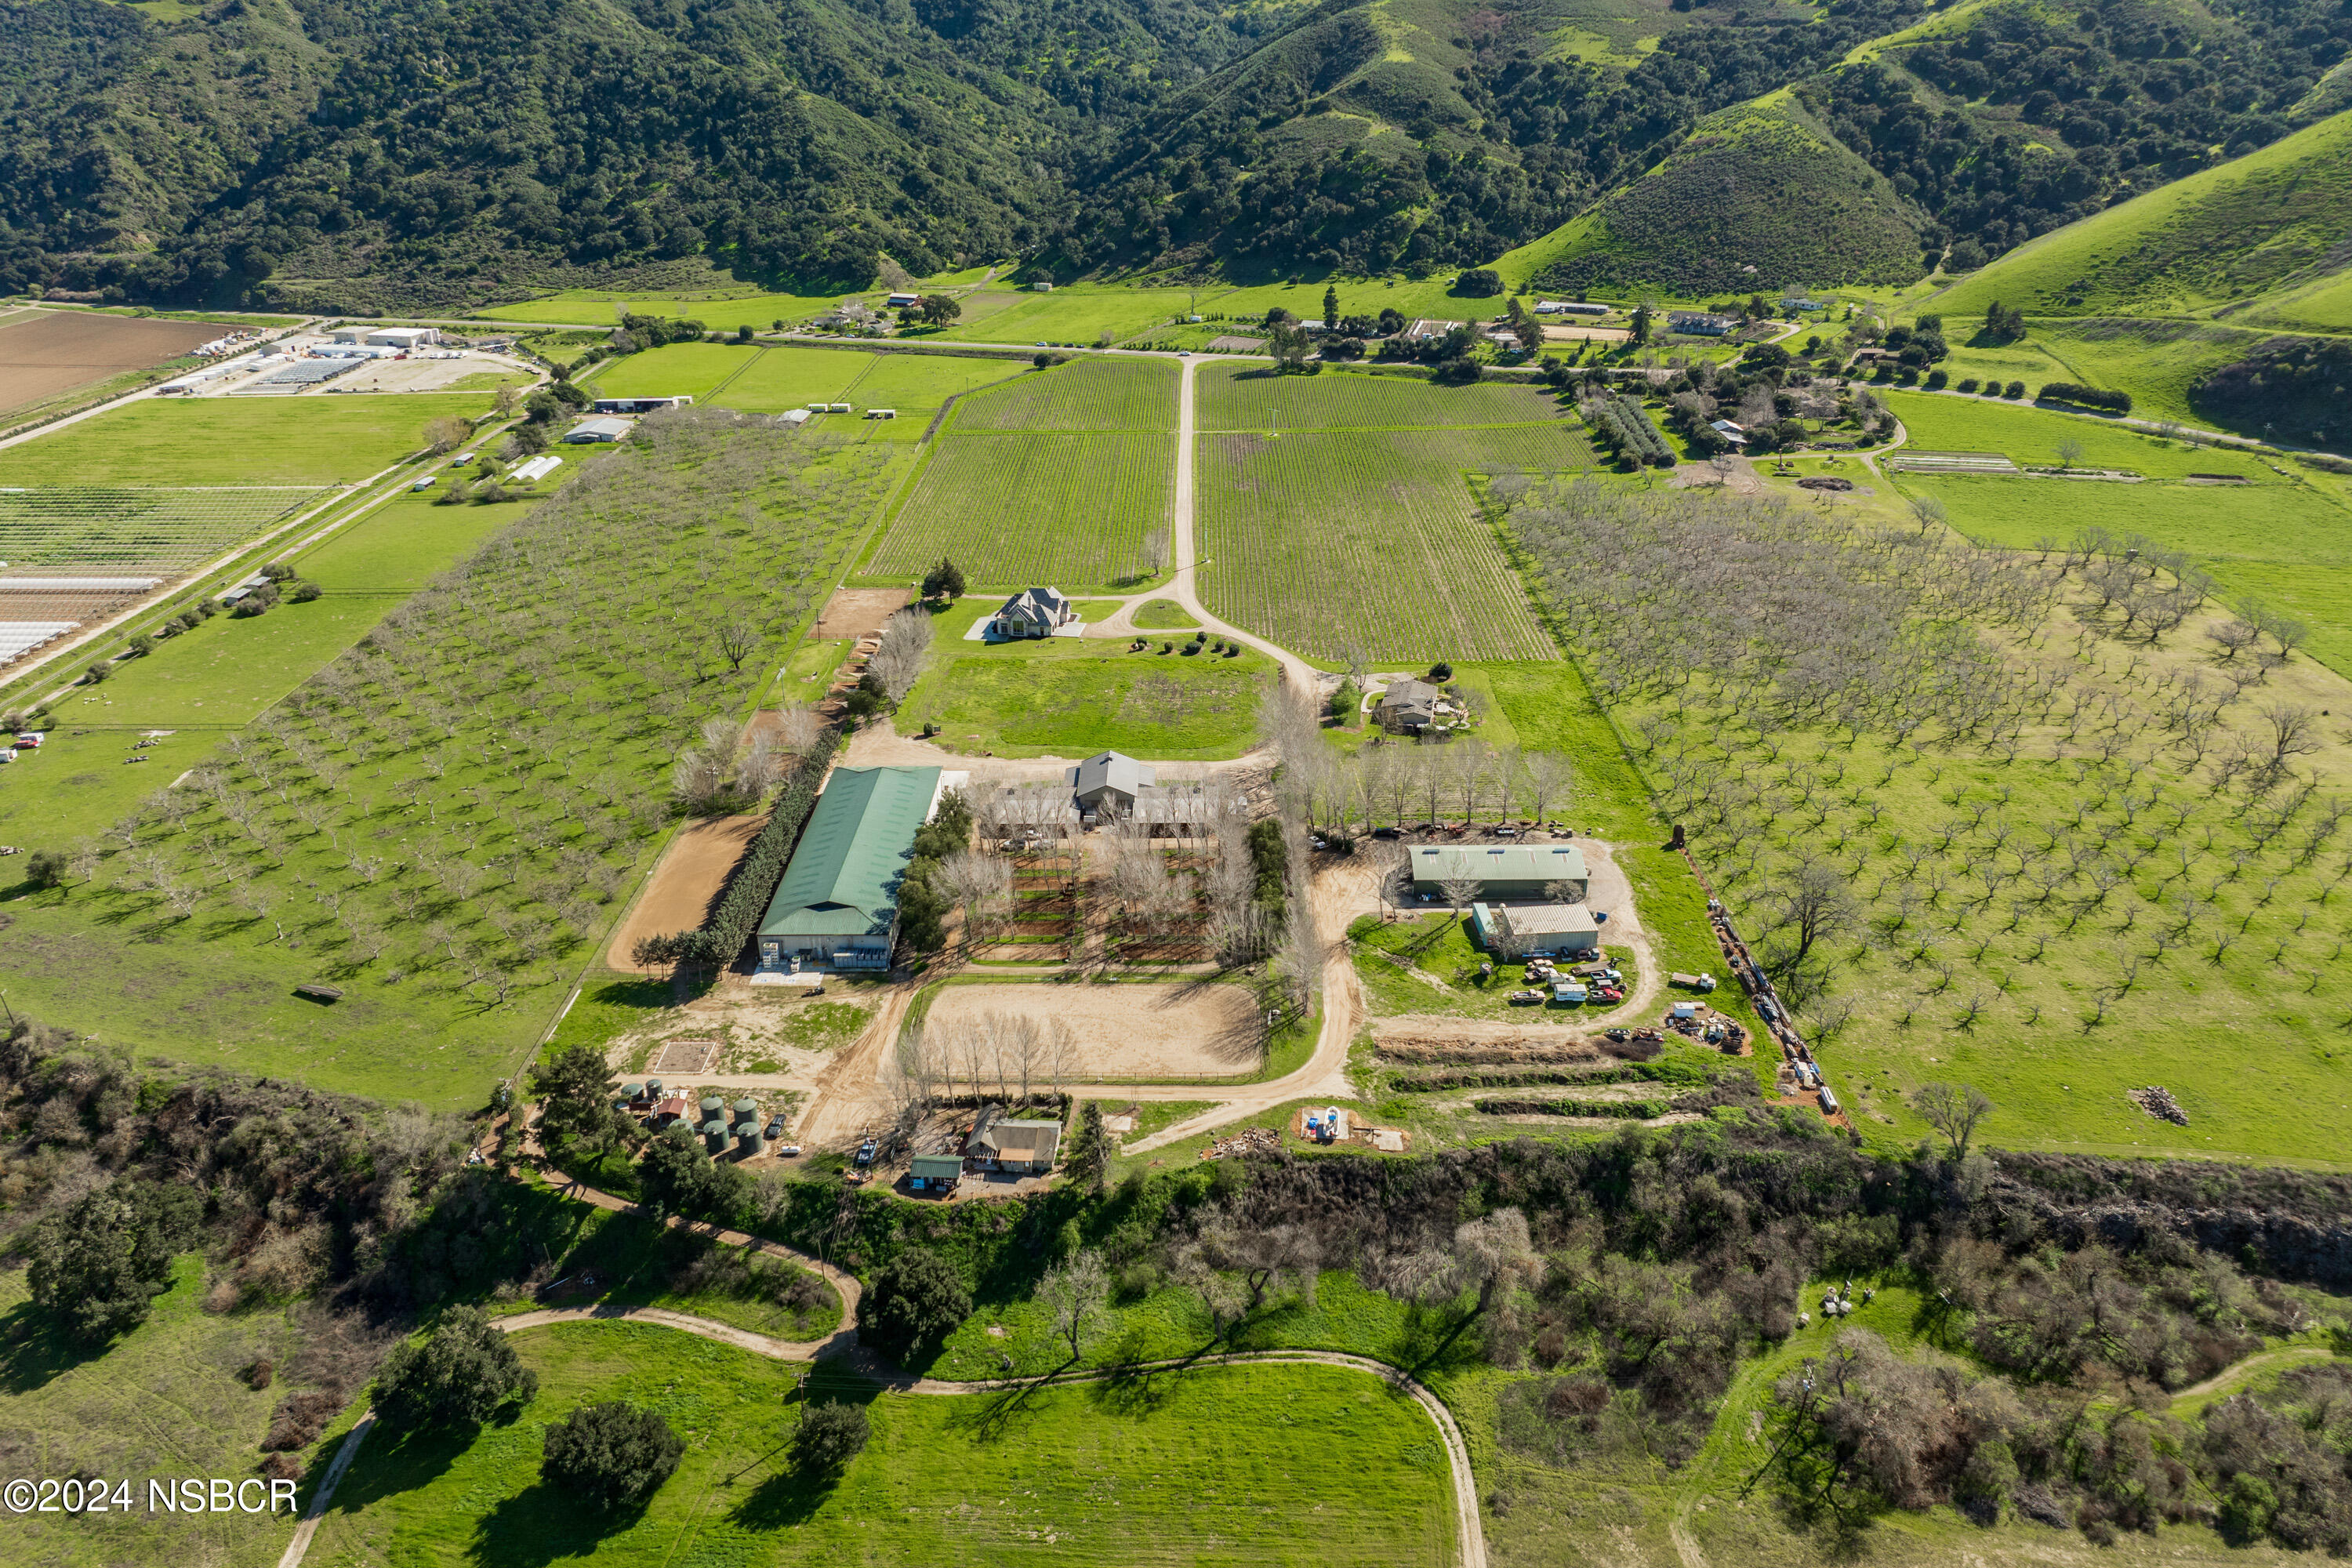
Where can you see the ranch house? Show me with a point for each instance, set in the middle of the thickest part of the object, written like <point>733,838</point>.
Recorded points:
<point>1110,781</point>
<point>1699,323</point>
<point>1033,612</point>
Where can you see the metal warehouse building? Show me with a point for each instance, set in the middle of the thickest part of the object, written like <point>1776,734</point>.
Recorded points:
<point>838,903</point>
<point>1502,873</point>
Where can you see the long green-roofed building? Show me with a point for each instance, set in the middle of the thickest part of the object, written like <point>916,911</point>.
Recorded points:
<point>838,903</point>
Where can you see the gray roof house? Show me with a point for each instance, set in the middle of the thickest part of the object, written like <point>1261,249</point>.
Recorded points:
<point>1407,705</point>
<point>1032,612</point>
<point>1014,1143</point>
<point>1699,323</point>
<point>1515,931</point>
<point>1502,873</point>
<point>1110,779</point>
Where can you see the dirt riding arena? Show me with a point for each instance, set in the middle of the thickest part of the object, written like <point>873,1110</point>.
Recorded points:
<point>52,352</point>
<point>1125,1032</point>
<point>857,612</point>
<point>689,877</point>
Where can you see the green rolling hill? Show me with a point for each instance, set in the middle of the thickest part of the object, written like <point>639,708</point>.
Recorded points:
<point>2265,239</point>
<point>1758,197</point>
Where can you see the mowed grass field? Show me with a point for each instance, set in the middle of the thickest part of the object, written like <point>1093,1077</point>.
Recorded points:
<point>1253,397</point>
<point>674,370</point>
<point>164,1400</point>
<point>1286,1465</point>
<point>1086,395</point>
<point>1074,697</point>
<point>724,313</point>
<point>1071,510</point>
<point>235,441</point>
<point>1339,542</point>
<point>1074,314</point>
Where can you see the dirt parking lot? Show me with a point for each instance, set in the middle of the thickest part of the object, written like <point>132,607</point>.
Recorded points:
<point>1139,1032</point>
<point>690,875</point>
<point>49,352</point>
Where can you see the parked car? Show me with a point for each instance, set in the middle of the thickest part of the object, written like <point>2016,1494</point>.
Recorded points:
<point>1507,831</point>
<point>1384,833</point>
<point>1526,998</point>
<point>776,1130</point>
<point>30,739</point>
<point>865,1152</point>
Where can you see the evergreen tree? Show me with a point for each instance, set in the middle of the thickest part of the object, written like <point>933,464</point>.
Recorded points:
<point>1330,308</point>
<point>98,1267</point>
<point>610,1454</point>
<point>458,1377</point>
<point>1090,1150</point>
<point>917,1301</point>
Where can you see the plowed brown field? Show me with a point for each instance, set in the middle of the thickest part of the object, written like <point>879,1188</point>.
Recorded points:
<point>52,352</point>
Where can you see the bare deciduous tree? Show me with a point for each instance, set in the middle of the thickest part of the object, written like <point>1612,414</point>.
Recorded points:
<point>1953,1110</point>
<point>898,659</point>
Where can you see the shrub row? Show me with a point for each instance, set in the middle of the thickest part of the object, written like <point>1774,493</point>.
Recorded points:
<point>2086,396</point>
<point>1682,1074</point>
<point>1622,422</point>
<point>754,881</point>
<point>1630,1109</point>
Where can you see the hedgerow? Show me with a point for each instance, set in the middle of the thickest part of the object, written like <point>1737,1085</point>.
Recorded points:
<point>2074,391</point>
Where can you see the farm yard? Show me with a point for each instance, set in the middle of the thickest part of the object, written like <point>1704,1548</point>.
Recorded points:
<point>459,730</point>
<point>1126,1033</point>
<point>1334,543</point>
<point>1076,510</point>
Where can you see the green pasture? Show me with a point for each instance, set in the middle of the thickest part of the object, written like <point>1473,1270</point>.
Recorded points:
<point>402,544</point>
<point>67,1414</point>
<point>2324,305</point>
<point>2279,540</point>
<point>1331,542</point>
<point>1074,697</point>
<point>1070,510</point>
<point>1088,1473</point>
<point>227,672</point>
<point>722,310</point>
<point>918,384</point>
<point>1169,1322</point>
<point>235,440</point>
<point>2029,436</point>
<point>2153,361</point>
<point>781,377</point>
<point>1253,397</point>
<point>1428,298</point>
<point>1076,314</point>
<point>675,370</point>
<point>1447,983</point>
<point>1085,395</point>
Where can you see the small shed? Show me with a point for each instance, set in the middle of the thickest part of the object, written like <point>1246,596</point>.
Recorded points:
<point>935,1173</point>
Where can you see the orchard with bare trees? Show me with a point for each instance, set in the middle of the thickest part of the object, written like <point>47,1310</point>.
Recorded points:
<point>2054,803</point>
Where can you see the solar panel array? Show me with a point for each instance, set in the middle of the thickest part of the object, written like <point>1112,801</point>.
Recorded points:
<point>301,373</point>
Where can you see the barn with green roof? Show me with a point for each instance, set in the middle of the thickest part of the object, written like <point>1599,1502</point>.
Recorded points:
<point>838,903</point>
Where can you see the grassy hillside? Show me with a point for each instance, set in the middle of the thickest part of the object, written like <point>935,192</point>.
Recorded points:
<point>2276,220</point>
<point>1758,197</point>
